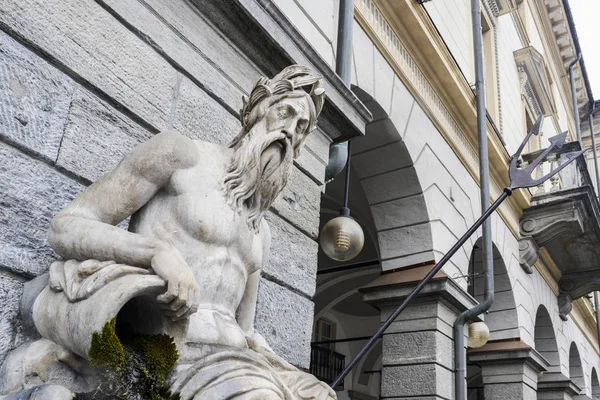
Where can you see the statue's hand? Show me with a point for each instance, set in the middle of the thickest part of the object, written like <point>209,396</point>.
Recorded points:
<point>182,296</point>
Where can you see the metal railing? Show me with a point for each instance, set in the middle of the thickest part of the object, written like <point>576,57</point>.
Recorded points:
<point>326,364</point>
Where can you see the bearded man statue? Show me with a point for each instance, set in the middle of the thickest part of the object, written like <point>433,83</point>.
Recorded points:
<point>196,243</point>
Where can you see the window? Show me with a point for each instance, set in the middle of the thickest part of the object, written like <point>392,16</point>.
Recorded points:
<point>324,331</point>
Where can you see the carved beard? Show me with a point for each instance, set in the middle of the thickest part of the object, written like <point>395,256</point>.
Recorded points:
<point>257,173</point>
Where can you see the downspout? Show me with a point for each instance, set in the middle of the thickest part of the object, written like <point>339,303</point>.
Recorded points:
<point>574,97</point>
<point>592,134</point>
<point>469,315</point>
<point>338,152</point>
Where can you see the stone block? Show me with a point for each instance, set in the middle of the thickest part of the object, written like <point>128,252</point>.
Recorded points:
<point>34,99</point>
<point>32,193</point>
<point>363,51</point>
<point>323,13</point>
<point>405,241</point>
<point>391,157</point>
<point>418,348</point>
<point>96,47</point>
<point>423,315</point>
<point>96,137</point>
<point>377,133</point>
<point>199,116</point>
<point>392,185</point>
<point>293,256</point>
<point>285,321</point>
<point>396,213</point>
<point>407,261</point>
<point>299,203</point>
<point>308,28</point>
<point>181,34</point>
<point>402,105</point>
<point>511,391</point>
<point>417,380</point>
<point>384,81</point>
<point>11,290</point>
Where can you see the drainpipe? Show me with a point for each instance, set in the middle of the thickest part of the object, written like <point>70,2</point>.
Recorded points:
<point>338,152</point>
<point>469,315</point>
<point>592,134</point>
<point>574,97</point>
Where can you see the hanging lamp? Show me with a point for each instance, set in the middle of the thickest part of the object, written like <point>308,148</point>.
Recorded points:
<point>342,238</point>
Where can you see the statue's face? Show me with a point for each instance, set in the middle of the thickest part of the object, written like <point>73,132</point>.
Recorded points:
<point>290,117</point>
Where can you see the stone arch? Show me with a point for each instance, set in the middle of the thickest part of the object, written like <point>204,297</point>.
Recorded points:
<point>575,367</point>
<point>502,318</point>
<point>387,174</point>
<point>387,200</point>
<point>545,339</point>
<point>595,385</point>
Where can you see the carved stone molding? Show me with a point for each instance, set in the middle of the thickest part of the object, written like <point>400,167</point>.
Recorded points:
<point>534,81</point>
<point>552,222</point>
<point>565,305</point>
<point>528,254</point>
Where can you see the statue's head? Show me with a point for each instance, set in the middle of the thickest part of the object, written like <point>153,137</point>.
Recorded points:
<point>276,120</point>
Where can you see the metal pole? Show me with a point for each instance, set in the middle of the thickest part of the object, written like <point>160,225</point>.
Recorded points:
<point>574,97</point>
<point>507,192</point>
<point>460,387</point>
<point>597,315</point>
<point>338,152</point>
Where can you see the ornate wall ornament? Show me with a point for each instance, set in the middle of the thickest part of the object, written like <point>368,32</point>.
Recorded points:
<point>565,305</point>
<point>528,254</point>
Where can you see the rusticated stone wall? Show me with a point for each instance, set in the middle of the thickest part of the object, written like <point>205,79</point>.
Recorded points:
<point>84,81</point>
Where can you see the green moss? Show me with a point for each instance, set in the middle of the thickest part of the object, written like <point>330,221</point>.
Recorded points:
<point>106,349</point>
<point>135,368</point>
<point>159,352</point>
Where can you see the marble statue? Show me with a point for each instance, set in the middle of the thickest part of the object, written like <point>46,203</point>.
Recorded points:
<point>189,264</point>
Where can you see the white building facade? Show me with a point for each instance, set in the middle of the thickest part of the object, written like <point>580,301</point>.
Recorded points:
<point>83,81</point>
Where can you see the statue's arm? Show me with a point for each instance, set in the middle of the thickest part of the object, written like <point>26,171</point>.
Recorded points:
<point>85,228</point>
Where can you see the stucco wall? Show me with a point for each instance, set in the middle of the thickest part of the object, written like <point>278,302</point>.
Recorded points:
<point>81,83</point>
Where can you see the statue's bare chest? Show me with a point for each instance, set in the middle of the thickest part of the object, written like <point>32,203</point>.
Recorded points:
<point>201,210</point>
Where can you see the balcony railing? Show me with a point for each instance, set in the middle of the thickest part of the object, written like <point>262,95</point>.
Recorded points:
<point>575,175</point>
<point>326,364</point>
<point>564,218</point>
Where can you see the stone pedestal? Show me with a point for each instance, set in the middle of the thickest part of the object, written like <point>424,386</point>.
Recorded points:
<point>418,359</point>
<point>509,369</point>
<point>556,386</point>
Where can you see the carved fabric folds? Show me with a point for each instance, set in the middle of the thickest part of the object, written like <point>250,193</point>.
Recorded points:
<point>228,373</point>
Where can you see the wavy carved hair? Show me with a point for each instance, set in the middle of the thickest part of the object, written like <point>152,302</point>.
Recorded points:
<point>247,184</point>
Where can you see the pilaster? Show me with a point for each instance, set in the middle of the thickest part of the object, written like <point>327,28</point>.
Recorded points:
<point>418,346</point>
<point>509,369</point>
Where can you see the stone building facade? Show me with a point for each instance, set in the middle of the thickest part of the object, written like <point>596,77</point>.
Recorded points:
<point>82,82</point>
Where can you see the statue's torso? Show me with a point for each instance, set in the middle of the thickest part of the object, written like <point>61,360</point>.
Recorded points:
<point>191,213</point>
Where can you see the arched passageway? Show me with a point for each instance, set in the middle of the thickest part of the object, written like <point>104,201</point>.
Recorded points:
<point>575,367</point>
<point>502,317</point>
<point>387,200</point>
<point>545,339</point>
<point>595,385</point>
